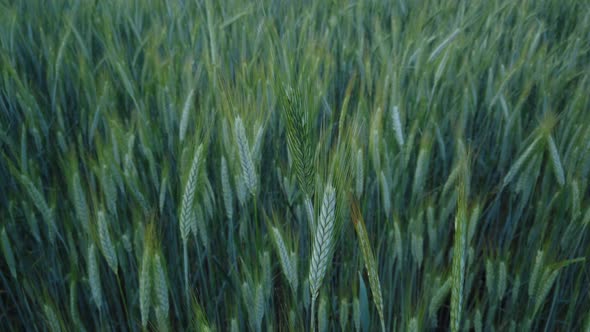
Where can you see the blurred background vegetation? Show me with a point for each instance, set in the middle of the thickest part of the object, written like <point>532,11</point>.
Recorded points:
<point>156,154</point>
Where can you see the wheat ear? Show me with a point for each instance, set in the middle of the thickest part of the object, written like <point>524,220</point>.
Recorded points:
<point>322,246</point>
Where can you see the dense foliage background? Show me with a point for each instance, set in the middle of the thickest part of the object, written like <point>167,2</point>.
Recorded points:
<point>242,165</point>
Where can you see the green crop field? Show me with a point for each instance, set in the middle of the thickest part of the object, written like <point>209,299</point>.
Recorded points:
<point>201,165</point>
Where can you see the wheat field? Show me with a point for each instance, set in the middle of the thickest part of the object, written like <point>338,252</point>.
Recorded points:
<point>200,165</point>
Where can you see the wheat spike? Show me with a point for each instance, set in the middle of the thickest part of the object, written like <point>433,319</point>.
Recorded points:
<point>106,244</point>
<point>80,205</point>
<point>555,161</point>
<point>370,263</point>
<point>258,308</point>
<point>74,307</point>
<point>443,44</point>
<point>545,286</point>
<point>398,245</point>
<point>189,195</point>
<point>322,246</point>
<point>94,276</point>
<point>539,259</point>
<point>421,170</point>
<point>502,278</point>
<point>266,273</point>
<point>413,325</point>
<point>360,173</point>
<point>308,205</point>
<point>458,271</point>
<point>417,245</point>
<point>356,314</point>
<point>160,285</point>
<point>576,210</point>
<point>52,318</point>
<point>41,205</point>
<point>234,326</point>
<point>109,189</point>
<point>490,277</point>
<point>8,253</point>
<point>162,319</point>
<point>513,171</point>
<point>257,147</point>
<point>437,300</point>
<point>145,287</point>
<point>298,126</point>
<point>248,172</point>
<point>477,323</point>
<point>185,113</point>
<point>515,290</point>
<point>397,126</point>
<point>343,314</point>
<point>228,199</point>
<point>385,195</point>
<point>285,258</point>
